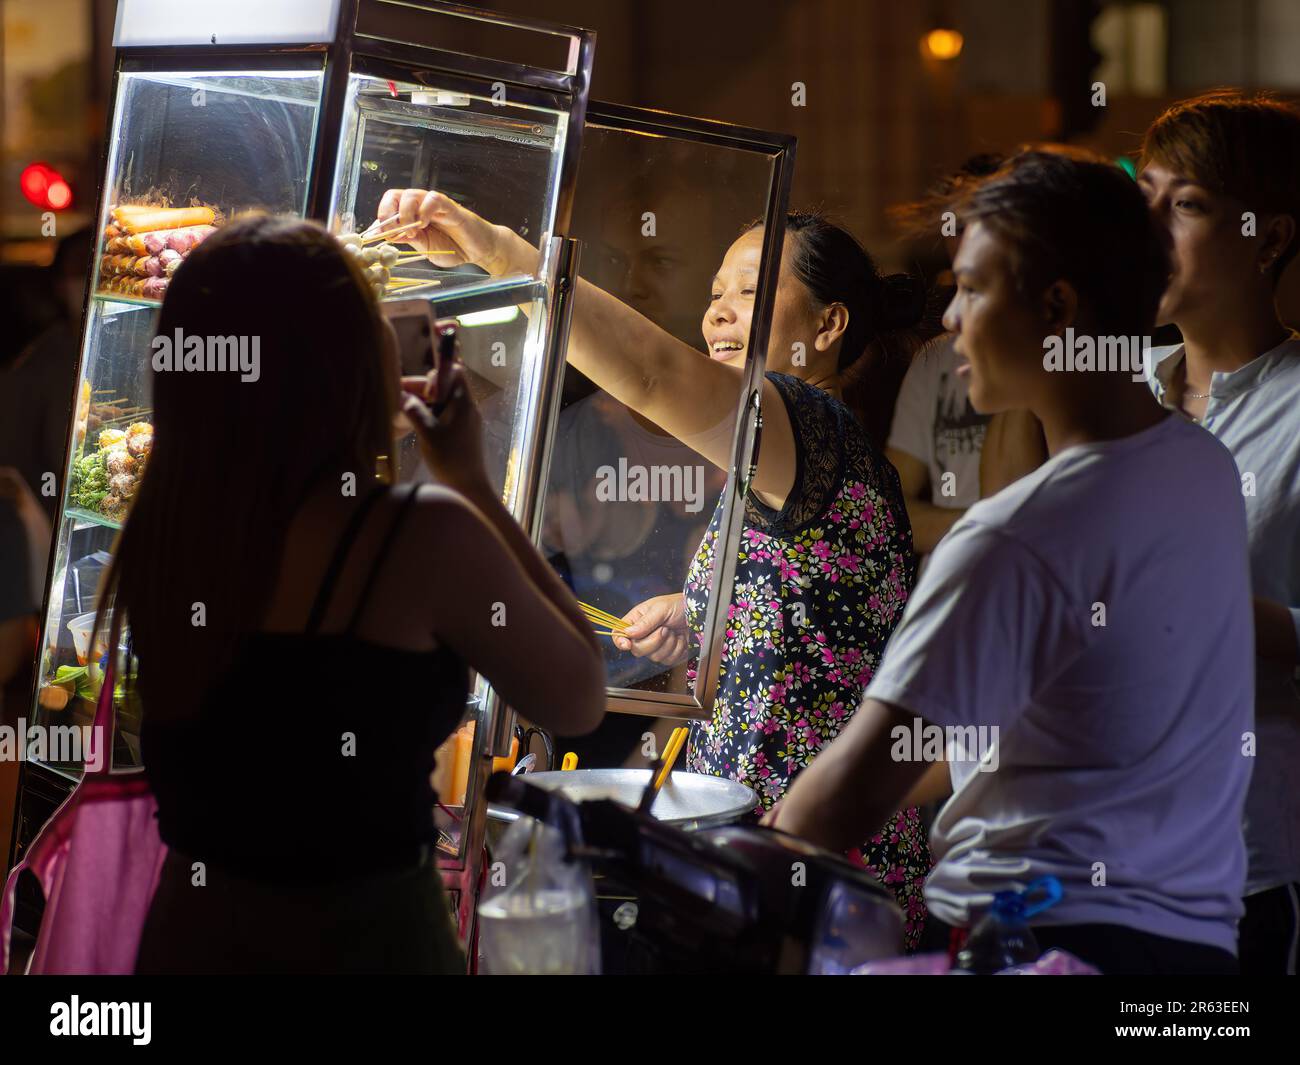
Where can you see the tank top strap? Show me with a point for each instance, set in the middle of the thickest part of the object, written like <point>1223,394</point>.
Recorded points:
<point>350,531</point>
<point>402,511</point>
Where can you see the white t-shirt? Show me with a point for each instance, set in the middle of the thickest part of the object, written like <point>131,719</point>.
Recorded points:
<point>1255,412</point>
<point>1119,764</point>
<point>935,424</point>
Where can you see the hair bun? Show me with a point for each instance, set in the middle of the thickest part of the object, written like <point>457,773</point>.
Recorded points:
<point>903,300</point>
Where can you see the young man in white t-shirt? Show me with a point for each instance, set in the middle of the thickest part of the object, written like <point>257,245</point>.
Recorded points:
<point>1081,640</point>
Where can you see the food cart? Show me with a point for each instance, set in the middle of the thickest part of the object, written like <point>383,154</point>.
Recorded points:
<point>314,109</point>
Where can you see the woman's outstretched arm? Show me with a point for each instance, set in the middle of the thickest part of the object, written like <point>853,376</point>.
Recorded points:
<point>684,392</point>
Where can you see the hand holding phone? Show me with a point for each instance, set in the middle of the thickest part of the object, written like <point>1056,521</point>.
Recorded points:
<point>447,423</point>
<point>444,359</point>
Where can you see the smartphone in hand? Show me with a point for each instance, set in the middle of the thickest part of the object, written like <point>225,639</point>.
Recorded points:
<point>444,357</point>
<point>414,322</point>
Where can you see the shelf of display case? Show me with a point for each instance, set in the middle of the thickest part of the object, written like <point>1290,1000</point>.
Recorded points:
<point>472,296</point>
<point>81,518</point>
<point>492,293</point>
<point>114,303</point>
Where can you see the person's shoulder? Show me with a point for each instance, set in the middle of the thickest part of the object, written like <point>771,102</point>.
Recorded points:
<point>980,550</point>
<point>806,400</point>
<point>1181,441</point>
<point>435,502</point>
<point>1287,374</point>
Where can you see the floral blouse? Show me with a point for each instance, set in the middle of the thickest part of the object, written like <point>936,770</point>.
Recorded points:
<point>819,587</point>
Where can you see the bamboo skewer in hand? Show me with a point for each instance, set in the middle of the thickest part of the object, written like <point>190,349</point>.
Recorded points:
<point>602,617</point>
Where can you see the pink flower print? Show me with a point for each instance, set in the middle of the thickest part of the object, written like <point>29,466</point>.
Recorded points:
<point>821,549</point>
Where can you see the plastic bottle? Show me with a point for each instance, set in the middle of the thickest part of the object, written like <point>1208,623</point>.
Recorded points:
<point>1002,937</point>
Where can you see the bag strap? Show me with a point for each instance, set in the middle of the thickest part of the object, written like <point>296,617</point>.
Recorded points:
<point>105,721</point>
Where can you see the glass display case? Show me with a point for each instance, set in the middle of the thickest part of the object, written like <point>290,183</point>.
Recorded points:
<point>219,112</point>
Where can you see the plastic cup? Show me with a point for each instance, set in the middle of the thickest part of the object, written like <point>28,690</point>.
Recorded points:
<point>81,628</point>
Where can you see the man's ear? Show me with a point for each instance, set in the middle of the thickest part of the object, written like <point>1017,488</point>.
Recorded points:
<point>1060,306</point>
<point>835,320</point>
<point>1279,235</point>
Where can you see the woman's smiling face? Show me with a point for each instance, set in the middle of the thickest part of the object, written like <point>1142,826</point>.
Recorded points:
<point>796,319</point>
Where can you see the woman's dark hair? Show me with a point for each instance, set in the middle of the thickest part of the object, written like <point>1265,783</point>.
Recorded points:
<point>1067,213</point>
<point>889,316</point>
<point>232,458</point>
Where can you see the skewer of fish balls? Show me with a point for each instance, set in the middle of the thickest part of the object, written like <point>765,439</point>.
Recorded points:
<point>377,261</point>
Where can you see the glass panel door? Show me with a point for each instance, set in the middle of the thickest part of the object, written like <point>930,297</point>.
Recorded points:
<point>191,149</point>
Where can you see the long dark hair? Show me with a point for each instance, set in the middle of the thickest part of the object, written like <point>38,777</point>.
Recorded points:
<point>232,459</point>
<point>889,316</point>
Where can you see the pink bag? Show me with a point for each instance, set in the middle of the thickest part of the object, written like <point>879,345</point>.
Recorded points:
<point>98,860</point>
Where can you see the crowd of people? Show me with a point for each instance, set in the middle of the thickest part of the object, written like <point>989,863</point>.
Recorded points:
<point>1110,588</point>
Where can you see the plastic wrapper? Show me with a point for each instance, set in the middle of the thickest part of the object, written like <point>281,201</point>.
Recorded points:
<point>538,913</point>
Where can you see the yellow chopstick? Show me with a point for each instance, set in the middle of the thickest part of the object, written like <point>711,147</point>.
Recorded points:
<point>596,619</point>
<point>675,744</point>
<point>570,762</point>
<point>596,614</point>
<point>395,287</point>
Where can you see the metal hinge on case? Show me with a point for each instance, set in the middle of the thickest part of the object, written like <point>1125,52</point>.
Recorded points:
<point>750,473</point>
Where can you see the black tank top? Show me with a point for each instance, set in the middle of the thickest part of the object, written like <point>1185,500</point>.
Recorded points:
<point>311,755</point>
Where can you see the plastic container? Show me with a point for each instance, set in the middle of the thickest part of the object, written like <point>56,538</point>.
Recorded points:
<point>1002,937</point>
<point>81,628</point>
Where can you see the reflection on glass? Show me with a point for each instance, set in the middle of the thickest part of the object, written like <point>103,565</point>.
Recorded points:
<point>499,158</point>
<point>627,504</point>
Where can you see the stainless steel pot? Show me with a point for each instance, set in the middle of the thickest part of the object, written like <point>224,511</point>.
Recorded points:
<point>687,800</point>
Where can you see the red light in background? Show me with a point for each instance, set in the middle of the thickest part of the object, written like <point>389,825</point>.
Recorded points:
<point>58,196</point>
<point>45,187</point>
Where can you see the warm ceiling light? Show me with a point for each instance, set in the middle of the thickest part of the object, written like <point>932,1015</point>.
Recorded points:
<point>941,44</point>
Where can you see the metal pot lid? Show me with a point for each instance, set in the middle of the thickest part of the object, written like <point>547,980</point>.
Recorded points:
<point>685,797</point>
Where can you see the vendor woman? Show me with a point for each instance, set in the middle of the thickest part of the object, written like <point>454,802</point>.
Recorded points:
<point>826,561</point>
<point>1082,640</point>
